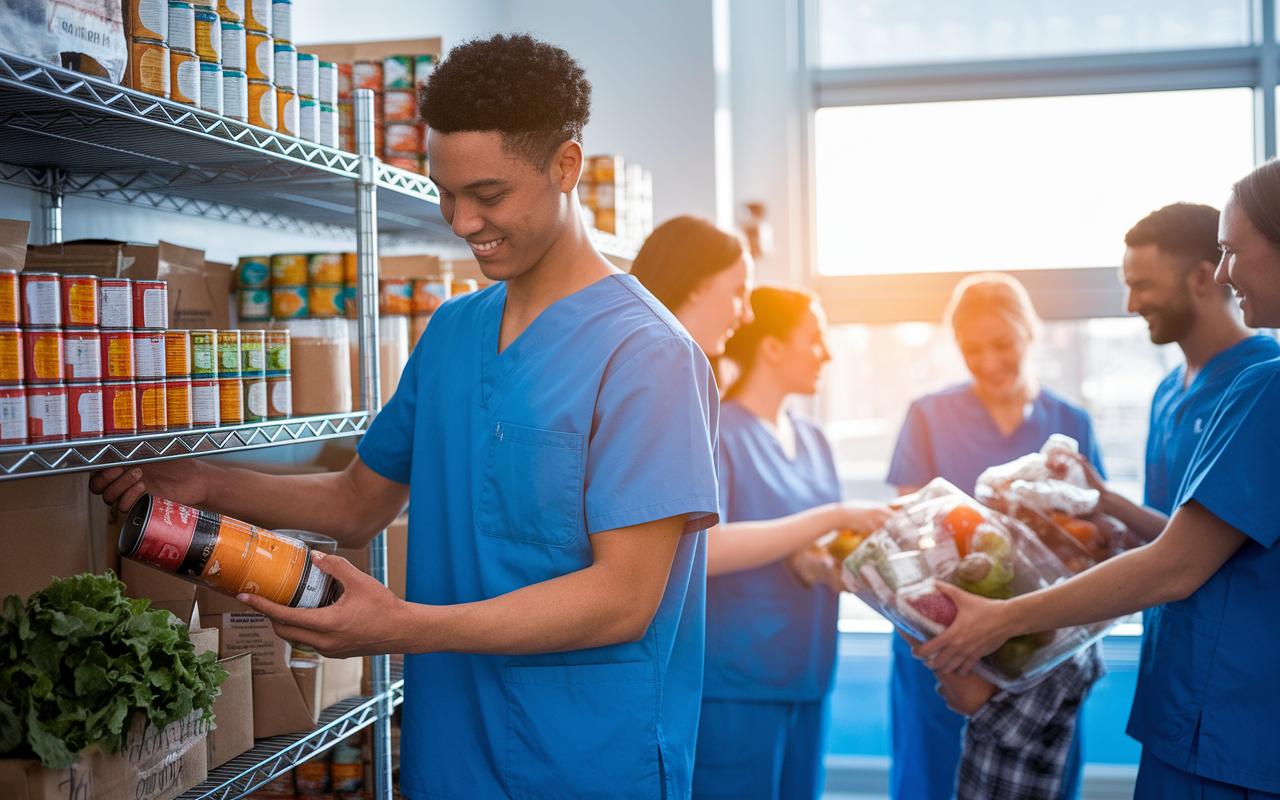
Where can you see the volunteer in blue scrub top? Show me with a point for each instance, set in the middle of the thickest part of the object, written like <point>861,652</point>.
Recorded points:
<point>1003,414</point>
<point>1208,700</point>
<point>555,434</point>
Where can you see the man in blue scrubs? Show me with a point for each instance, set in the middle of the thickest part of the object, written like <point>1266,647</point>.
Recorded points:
<point>555,434</point>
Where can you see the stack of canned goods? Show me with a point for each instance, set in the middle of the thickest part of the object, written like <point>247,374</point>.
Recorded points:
<point>238,375</point>
<point>162,41</point>
<point>400,136</point>
<point>295,285</point>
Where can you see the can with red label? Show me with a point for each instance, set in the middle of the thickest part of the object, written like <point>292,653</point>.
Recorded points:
<point>151,409</point>
<point>279,396</point>
<point>205,412</point>
<point>177,354</point>
<point>117,355</point>
<point>47,413</point>
<point>41,299</point>
<point>80,301</point>
<point>84,410</point>
<point>42,354</point>
<point>11,371</point>
<point>230,401</point>
<point>119,401</point>
<point>178,403</point>
<point>13,415</point>
<point>115,303</point>
<point>82,355</point>
<point>148,354</point>
<point>10,308</point>
<point>151,304</point>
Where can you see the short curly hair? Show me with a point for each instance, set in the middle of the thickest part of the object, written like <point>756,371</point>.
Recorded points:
<point>531,92</point>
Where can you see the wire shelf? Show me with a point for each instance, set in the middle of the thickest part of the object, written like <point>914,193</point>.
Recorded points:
<point>21,461</point>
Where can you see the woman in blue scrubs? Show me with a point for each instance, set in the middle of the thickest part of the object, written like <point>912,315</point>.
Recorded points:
<point>1207,706</point>
<point>1002,414</point>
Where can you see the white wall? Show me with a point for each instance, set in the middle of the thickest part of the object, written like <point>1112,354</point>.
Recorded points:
<point>328,21</point>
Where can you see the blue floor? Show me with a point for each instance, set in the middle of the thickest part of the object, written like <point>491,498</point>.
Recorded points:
<point>860,705</point>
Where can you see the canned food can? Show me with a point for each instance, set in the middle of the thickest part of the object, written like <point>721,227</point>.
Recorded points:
<point>289,302</point>
<point>177,399</point>
<point>148,354</point>
<point>204,354</point>
<point>282,20</point>
<point>182,26</point>
<point>428,294</point>
<point>10,308</point>
<point>463,286</point>
<point>115,303</point>
<point>149,67</point>
<point>260,56</point>
<point>262,105</point>
<point>230,401</point>
<point>253,304</point>
<point>347,125</point>
<point>151,304</point>
<point>228,354</point>
<point>397,72</point>
<point>82,355</point>
<point>208,36</point>
<point>79,301</point>
<point>231,10</point>
<point>11,347</point>
<point>325,268</point>
<point>47,413</point>
<point>423,66</point>
<point>119,399</point>
<point>258,16</point>
<point>117,355</point>
<point>152,409</point>
<point>395,296</point>
<point>327,80</point>
<point>84,411</point>
<point>279,396</point>
<point>42,355</point>
<point>400,105</point>
<point>408,163</point>
<point>289,269</point>
<point>277,350</point>
<point>253,361</point>
<point>350,269</point>
<point>308,119</point>
<point>233,46</point>
<point>148,19</point>
<point>286,56</point>
<point>13,415</point>
<point>235,95</point>
<point>345,85</point>
<point>177,354</point>
<point>211,87</point>
<point>255,399</point>
<point>41,299</point>
<point>253,272</point>
<point>287,105</point>
<point>308,76</point>
<point>326,301</point>
<point>224,554</point>
<point>204,403</point>
<point>349,302</point>
<point>184,69</point>
<point>328,125</point>
<point>366,74</point>
<point>406,137</point>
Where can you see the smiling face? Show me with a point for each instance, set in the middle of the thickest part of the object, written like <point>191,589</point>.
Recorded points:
<point>1157,288</point>
<point>1251,266</point>
<point>719,306</point>
<point>802,354</point>
<point>508,211</point>
<point>995,351</point>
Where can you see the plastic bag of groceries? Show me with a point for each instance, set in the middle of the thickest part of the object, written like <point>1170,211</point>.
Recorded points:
<point>1049,493</point>
<point>941,534</point>
<point>84,35</point>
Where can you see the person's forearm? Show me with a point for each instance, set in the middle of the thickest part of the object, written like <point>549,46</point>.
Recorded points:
<point>737,546</point>
<point>1147,523</point>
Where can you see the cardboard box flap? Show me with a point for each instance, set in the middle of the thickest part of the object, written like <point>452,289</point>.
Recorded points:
<point>13,243</point>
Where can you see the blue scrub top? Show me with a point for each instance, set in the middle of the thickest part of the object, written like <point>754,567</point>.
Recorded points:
<point>1208,695</point>
<point>769,638</point>
<point>601,415</point>
<point>1179,415</point>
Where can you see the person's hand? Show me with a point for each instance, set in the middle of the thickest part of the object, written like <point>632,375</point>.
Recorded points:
<point>182,480</point>
<point>861,516</point>
<point>980,627</point>
<point>811,565</point>
<point>366,620</point>
<point>964,694</point>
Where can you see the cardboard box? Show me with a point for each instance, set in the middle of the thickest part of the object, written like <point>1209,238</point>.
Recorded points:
<point>252,633</point>
<point>37,512</point>
<point>421,266</point>
<point>465,268</point>
<point>102,257</point>
<point>152,765</point>
<point>356,51</point>
<point>13,243</point>
<point>232,711</point>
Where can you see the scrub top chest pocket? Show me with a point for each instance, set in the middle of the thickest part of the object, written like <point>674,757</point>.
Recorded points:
<point>532,489</point>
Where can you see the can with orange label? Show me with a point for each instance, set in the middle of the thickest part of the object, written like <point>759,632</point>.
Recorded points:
<point>151,304</point>
<point>177,398</point>
<point>79,301</point>
<point>148,19</point>
<point>42,355</point>
<point>260,56</point>
<point>10,308</point>
<point>231,10</point>
<point>428,294</point>
<point>177,354</point>
<point>401,105</point>
<point>395,296</point>
<point>117,355</point>
<point>115,303</point>
<point>84,411</point>
<point>289,302</point>
<point>258,16</point>
<point>41,299</point>
<point>152,408</point>
<point>82,355</point>
<point>287,111</point>
<point>350,269</point>
<point>148,354</point>
<point>204,403</point>
<point>47,413</point>
<point>11,347</point>
<point>208,36</point>
<point>230,401</point>
<point>366,74</point>
<point>289,269</point>
<point>279,396</point>
<point>184,72</point>
<point>119,399</point>
<point>326,301</point>
<point>224,554</point>
<point>13,415</point>
<point>325,268</point>
<point>149,66</point>
<point>262,104</point>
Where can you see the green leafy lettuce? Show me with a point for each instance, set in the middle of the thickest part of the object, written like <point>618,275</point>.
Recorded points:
<point>79,659</point>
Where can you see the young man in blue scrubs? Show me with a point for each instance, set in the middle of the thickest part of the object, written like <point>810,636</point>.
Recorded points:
<point>555,435</point>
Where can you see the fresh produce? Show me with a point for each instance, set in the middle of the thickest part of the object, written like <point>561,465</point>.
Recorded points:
<point>961,522</point>
<point>846,542</point>
<point>79,659</point>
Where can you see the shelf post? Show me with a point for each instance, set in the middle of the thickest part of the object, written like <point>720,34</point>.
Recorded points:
<point>51,204</point>
<point>371,399</point>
